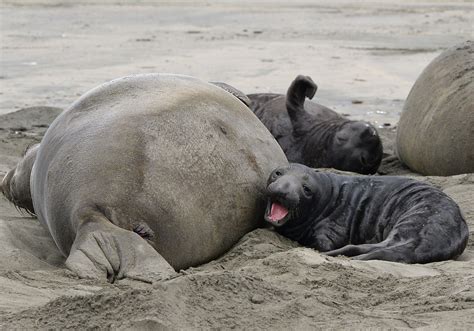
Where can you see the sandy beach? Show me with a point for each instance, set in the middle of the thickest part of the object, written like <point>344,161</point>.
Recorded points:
<point>364,56</point>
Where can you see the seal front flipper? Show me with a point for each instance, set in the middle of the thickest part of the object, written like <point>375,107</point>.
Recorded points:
<point>101,250</point>
<point>300,88</point>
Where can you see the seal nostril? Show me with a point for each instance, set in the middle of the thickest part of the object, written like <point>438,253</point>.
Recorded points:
<point>281,195</point>
<point>369,135</point>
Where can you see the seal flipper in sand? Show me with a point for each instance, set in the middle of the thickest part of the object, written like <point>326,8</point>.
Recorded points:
<point>102,249</point>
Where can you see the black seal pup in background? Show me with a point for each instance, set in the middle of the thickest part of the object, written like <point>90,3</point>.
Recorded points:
<point>366,217</point>
<point>315,135</point>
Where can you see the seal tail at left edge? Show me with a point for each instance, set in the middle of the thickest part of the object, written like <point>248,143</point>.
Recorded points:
<point>15,185</point>
<point>22,208</point>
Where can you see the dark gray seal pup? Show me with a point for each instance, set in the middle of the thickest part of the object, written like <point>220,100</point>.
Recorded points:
<point>148,174</point>
<point>314,135</point>
<point>365,217</point>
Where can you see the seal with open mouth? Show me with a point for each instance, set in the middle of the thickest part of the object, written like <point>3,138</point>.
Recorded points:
<point>365,217</point>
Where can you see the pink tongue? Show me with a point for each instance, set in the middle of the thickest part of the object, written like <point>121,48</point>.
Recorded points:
<point>277,212</point>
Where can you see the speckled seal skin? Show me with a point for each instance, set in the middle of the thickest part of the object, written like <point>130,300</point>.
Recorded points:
<point>314,135</point>
<point>435,133</point>
<point>365,217</point>
<point>149,174</point>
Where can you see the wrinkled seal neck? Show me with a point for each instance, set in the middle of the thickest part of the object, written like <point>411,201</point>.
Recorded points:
<point>320,200</point>
<point>317,142</point>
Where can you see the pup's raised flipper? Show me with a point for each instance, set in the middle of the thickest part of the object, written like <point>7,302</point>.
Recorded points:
<point>301,88</point>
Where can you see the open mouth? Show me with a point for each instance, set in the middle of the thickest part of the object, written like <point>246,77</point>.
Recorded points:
<point>276,214</point>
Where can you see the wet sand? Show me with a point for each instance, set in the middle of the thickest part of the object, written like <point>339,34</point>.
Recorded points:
<point>364,58</point>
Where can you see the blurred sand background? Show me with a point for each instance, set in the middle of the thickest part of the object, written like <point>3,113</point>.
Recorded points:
<point>364,56</point>
<point>370,51</point>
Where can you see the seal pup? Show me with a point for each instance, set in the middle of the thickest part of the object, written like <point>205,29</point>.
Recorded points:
<point>314,135</point>
<point>365,217</point>
<point>148,174</point>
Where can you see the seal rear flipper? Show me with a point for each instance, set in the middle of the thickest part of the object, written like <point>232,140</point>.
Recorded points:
<point>389,254</point>
<point>353,250</point>
<point>15,186</point>
<point>300,88</point>
<point>101,250</point>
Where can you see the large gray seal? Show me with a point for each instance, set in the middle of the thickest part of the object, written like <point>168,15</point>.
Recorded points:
<point>314,135</point>
<point>149,174</point>
<point>365,217</point>
<point>435,134</point>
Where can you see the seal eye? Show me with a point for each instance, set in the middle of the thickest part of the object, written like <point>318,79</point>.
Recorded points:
<point>277,173</point>
<point>307,190</point>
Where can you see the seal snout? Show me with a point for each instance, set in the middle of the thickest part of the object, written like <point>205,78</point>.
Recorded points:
<point>371,156</point>
<point>284,192</point>
<point>282,199</point>
<point>370,138</point>
<point>368,133</point>
<point>368,160</point>
<point>364,150</point>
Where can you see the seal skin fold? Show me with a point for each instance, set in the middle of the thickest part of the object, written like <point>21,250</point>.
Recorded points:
<point>367,217</point>
<point>314,135</point>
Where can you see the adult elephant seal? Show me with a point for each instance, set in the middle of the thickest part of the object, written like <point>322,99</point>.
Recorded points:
<point>435,133</point>
<point>314,135</point>
<point>150,161</point>
<point>366,217</point>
